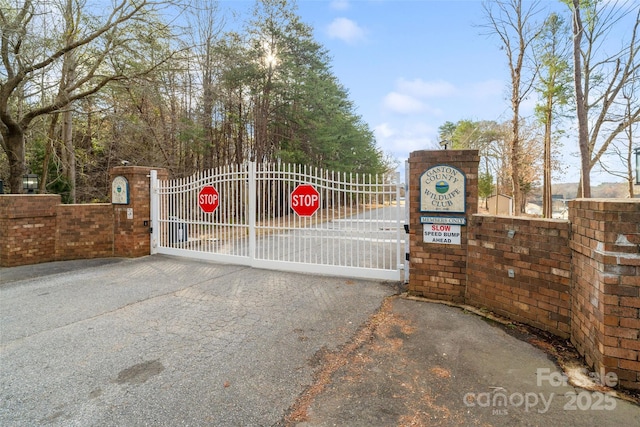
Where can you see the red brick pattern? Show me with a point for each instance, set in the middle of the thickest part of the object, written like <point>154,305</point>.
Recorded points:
<point>37,228</point>
<point>537,254</point>
<point>132,236</point>
<point>439,271</point>
<point>84,231</point>
<point>606,285</point>
<point>27,229</point>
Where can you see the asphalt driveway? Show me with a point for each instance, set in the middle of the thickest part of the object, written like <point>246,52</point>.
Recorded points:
<point>163,341</point>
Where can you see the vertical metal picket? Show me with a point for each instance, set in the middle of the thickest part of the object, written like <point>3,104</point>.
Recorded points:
<point>251,177</point>
<point>357,230</point>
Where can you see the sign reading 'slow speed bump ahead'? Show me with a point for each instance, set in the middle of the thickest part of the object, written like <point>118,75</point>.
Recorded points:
<point>442,233</point>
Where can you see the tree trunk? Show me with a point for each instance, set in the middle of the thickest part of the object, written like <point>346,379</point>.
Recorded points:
<point>581,111</point>
<point>14,140</point>
<point>48,152</point>
<point>515,162</point>
<point>547,204</point>
<point>69,153</point>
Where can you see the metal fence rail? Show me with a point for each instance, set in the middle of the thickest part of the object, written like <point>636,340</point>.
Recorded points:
<point>357,229</point>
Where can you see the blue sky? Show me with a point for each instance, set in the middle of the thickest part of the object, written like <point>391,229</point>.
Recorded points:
<point>412,65</point>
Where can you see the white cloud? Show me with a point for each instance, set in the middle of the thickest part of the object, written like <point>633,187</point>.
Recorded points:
<point>405,104</point>
<point>383,130</point>
<point>414,109</point>
<point>418,96</point>
<point>423,89</point>
<point>402,138</point>
<point>402,103</point>
<point>410,96</point>
<point>346,30</point>
<point>340,4</point>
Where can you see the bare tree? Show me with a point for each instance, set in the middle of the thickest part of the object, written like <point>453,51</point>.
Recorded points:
<point>600,78</point>
<point>206,31</point>
<point>95,55</point>
<point>622,149</point>
<point>516,30</point>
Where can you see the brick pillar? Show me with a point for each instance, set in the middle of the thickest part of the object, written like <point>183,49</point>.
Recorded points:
<point>605,300</point>
<point>132,222</point>
<point>437,270</point>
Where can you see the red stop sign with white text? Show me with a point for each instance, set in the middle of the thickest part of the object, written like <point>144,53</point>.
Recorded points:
<point>208,199</point>
<point>305,200</point>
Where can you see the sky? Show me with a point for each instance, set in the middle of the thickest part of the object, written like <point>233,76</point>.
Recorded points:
<point>412,65</point>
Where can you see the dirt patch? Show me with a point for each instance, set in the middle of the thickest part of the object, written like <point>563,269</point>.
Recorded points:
<point>375,367</point>
<point>329,362</point>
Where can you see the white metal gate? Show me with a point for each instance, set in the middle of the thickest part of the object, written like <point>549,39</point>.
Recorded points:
<point>357,230</point>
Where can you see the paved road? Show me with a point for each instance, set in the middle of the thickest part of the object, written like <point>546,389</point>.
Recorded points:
<point>162,341</point>
<point>165,341</point>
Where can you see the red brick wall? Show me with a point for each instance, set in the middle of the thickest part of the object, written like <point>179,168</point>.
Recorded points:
<point>37,228</point>
<point>27,229</point>
<point>606,285</point>
<point>84,231</point>
<point>577,279</point>
<point>439,271</point>
<point>539,256</point>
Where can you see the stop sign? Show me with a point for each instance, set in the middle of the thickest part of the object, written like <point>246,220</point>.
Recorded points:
<point>208,199</point>
<point>305,200</point>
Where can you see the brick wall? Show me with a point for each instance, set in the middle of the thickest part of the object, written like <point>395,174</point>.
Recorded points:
<point>537,253</point>
<point>578,278</point>
<point>132,235</point>
<point>84,231</point>
<point>36,228</point>
<point>605,307</point>
<point>27,229</point>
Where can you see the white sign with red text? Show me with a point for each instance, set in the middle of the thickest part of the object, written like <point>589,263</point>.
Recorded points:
<point>447,234</point>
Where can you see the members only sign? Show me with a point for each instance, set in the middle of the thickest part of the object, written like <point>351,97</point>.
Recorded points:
<point>442,189</point>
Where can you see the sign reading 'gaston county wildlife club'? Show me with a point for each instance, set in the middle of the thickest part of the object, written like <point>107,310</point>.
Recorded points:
<point>442,189</point>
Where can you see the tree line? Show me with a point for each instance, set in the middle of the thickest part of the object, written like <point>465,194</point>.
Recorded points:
<point>166,83</point>
<point>83,89</point>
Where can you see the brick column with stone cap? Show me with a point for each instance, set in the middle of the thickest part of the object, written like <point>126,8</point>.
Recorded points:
<point>132,221</point>
<point>438,271</point>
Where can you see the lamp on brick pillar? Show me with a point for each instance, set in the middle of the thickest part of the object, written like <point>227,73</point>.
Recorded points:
<point>30,183</point>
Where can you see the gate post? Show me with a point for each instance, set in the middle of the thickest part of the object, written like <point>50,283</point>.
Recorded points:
<point>443,196</point>
<point>154,206</point>
<point>251,206</point>
<point>131,200</point>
